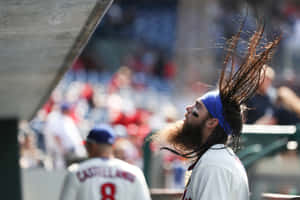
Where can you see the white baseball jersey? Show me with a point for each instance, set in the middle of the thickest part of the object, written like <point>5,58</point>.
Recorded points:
<point>218,175</point>
<point>104,179</point>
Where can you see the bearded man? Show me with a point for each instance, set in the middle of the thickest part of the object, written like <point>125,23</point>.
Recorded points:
<point>215,120</point>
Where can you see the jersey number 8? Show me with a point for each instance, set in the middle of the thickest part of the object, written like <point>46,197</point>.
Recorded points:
<point>108,191</point>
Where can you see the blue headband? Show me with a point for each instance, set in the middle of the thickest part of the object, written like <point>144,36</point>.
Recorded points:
<point>213,104</point>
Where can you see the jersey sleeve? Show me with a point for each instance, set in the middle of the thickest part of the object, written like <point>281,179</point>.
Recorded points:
<point>70,187</point>
<point>142,190</point>
<point>212,182</point>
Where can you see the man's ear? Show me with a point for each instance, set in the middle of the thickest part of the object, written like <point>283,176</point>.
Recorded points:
<point>212,122</point>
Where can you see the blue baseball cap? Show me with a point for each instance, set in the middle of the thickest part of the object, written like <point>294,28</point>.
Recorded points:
<point>213,104</point>
<point>65,106</point>
<point>102,134</point>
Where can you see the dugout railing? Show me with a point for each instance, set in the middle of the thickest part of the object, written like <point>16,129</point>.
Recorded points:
<point>259,141</point>
<point>167,194</point>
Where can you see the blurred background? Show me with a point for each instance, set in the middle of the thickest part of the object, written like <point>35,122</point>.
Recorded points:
<point>148,60</point>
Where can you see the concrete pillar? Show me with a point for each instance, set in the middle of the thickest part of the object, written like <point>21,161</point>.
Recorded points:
<point>9,160</point>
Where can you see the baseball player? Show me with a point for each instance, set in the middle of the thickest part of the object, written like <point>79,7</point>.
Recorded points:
<point>103,177</point>
<point>214,118</point>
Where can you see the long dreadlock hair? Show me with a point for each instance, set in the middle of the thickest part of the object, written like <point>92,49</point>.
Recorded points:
<point>237,83</point>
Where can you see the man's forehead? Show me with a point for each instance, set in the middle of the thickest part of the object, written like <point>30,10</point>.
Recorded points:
<point>199,103</point>
<point>199,100</point>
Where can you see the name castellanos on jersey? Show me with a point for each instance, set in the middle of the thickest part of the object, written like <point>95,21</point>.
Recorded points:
<point>85,174</point>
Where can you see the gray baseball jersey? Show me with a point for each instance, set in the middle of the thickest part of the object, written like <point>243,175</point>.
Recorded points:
<point>104,179</point>
<point>218,175</point>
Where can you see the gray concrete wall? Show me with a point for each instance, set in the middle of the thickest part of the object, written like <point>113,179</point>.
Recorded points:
<point>39,184</point>
<point>39,40</point>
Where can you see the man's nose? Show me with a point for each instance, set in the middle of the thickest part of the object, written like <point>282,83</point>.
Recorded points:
<point>188,108</point>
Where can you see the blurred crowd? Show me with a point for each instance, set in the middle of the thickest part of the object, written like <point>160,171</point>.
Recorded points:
<point>83,99</point>
<point>280,16</point>
<point>137,98</point>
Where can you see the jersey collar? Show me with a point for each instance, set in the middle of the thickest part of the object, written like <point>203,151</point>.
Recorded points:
<point>215,147</point>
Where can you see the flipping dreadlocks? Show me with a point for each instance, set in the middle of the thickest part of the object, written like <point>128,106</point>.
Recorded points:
<point>238,85</point>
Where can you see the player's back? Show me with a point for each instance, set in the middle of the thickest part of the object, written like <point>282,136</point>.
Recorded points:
<point>108,179</point>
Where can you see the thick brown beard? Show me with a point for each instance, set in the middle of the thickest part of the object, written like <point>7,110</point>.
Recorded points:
<point>183,137</point>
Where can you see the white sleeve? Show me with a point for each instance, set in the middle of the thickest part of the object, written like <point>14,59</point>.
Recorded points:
<point>142,190</point>
<point>70,187</point>
<point>212,182</point>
